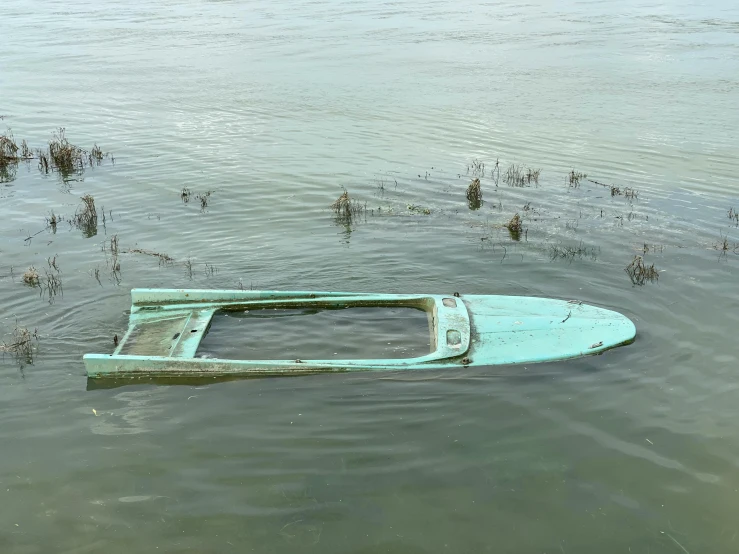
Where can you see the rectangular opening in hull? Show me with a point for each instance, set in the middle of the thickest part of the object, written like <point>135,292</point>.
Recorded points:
<point>349,333</point>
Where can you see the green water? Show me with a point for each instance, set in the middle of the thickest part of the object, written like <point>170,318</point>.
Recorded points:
<point>275,107</point>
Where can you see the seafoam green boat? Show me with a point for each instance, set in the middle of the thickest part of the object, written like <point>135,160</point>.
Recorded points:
<point>167,329</point>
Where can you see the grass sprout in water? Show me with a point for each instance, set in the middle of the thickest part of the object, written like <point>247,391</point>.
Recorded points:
<point>347,209</point>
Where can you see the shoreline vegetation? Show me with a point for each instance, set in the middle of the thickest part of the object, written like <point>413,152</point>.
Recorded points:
<point>59,156</point>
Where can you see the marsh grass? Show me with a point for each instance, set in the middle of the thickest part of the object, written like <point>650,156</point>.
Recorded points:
<point>86,217</point>
<point>347,209</point>
<point>61,156</point>
<point>519,176</point>
<point>52,221</point>
<point>185,194</point>
<point>640,273</point>
<point>571,252</point>
<point>574,177</point>
<point>474,194</point>
<point>734,216</point>
<point>476,168</point>
<point>23,345</point>
<point>51,284</point>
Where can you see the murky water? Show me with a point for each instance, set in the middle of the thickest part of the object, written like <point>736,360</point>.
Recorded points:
<point>273,108</point>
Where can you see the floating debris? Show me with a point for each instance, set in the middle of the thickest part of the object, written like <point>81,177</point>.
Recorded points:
<point>31,277</point>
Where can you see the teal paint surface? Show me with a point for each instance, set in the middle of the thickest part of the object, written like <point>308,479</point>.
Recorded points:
<point>166,327</point>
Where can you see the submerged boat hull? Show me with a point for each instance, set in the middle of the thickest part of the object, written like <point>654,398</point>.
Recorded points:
<point>166,327</point>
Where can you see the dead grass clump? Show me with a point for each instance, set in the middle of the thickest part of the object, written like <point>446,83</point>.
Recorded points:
<point>631,194</point>
<point>520,176</point>
<point>185,195</point>
<point>86,217</point>
<point>96,155</point>
<point>31,277</point>
<point>23,344</point>
<point>474,194</point>
<point>515,227</point>
<point>640,273</point>
<point>574,178</point>
<point>514,176</point>
<point>65,156</point>
<point>347,209</point>
<point>734,215</point>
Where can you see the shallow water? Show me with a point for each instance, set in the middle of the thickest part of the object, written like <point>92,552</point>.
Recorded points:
<point>274,109</point>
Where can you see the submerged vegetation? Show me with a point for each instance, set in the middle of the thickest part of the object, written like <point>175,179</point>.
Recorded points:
<point>347,209</point>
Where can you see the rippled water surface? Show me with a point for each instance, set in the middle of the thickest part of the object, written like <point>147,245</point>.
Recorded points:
<point>272,108</point>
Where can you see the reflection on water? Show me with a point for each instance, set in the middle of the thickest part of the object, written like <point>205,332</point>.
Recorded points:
<point>273,109</point>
